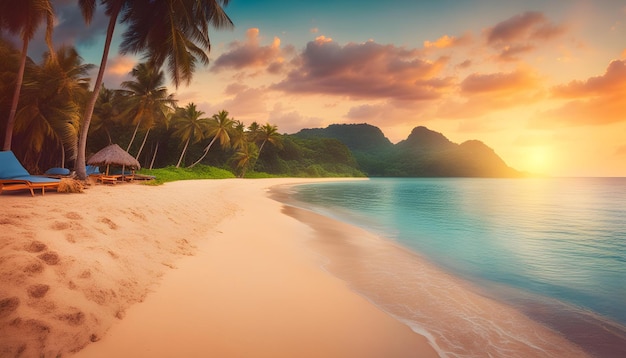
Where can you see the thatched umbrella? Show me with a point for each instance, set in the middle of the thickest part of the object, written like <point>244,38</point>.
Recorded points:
<point>114,155</point>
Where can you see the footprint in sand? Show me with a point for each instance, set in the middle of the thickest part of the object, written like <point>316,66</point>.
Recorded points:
<point>85,274</point>
<point>109,222</point>
<point>73,216</point>
<point>7,221</point>
<point>58,225</point>
<point>35,267</point>
<point>73,319</point>
<point>50,257</point>
<point>36,246</point>
<point>8,305</point>
<point>38,290</point>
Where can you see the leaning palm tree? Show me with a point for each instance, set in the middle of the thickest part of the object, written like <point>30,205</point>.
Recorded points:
<point>189,126</point>
<point>172,31</point>
<point>220,129</point>
<point>267,133</point>
<point>23,17</point>
<point>146,100</point>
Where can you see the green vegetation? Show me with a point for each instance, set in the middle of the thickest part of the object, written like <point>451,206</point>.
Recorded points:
<point>171,173</point>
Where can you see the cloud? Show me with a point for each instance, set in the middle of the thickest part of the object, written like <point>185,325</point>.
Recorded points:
<point>514,36</point>
<point>247,102</point>
<point>118,70</point>
<point>613,80</point>
<point>366,112</point>
<point>446,41</point>
<point>250,54</point>
<point>292,121</point>
<point>516,28</point>
<point>365,70</point>
<point>510,53</point>
<point>483,93</point>
<point>599,100</point>
<point>594,111</point>
<point>465,64</point>
<point>517,81</point>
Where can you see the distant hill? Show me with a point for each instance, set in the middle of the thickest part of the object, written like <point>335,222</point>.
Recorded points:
<point>424,153</point>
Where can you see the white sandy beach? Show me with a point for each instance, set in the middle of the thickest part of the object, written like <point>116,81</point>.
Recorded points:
<point>191,268</point>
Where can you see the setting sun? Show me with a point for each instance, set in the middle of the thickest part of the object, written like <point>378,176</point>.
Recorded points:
<point>539,159</point>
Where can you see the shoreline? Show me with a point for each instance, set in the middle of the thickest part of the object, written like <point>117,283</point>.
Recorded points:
<point>457,317</point>
<point>184,269</point>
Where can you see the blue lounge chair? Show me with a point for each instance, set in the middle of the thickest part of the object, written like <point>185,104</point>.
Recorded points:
<point>13,176</point>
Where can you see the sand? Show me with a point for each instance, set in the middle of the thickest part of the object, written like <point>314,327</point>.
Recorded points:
<point>187,269</point>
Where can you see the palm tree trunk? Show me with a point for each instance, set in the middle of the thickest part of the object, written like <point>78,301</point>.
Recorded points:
<point>259,154</point>
<point>80,167</point>
<point>183,153</point>
<point>132,139</point>
<point>142,144</point>
<point>8,135</point>
<point>154,155</point>
<point>62,155</point>
<point>206,151</point>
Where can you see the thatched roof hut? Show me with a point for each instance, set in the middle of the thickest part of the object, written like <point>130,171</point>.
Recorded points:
<point>113,155</point>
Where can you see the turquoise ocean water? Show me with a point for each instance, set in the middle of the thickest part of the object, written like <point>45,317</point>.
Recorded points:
<point>552,248</point>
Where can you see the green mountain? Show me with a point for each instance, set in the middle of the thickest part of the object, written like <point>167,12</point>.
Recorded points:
<point>424,153</point>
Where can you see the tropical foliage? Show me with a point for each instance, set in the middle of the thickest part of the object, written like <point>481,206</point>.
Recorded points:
<point>55,120</point>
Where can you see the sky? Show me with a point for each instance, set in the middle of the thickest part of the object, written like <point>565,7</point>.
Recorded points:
<point>542,82</point>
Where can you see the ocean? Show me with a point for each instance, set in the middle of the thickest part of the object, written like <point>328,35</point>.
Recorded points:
<point>550,251</point>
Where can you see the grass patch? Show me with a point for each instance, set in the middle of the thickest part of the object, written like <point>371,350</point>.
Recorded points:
<point>171,173</point>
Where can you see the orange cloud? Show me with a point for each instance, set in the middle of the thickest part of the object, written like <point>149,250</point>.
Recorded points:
<point>598,100</point>
<point>594,111</point>
<point>121,65</point>
<point>446,41</point>
<point>250,54</point>
<point>485,93</point>
<point>613,80</point>
<point>503,83</point>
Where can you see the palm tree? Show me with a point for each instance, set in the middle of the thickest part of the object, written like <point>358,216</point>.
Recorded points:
<point>253,131</point>
<point>106,113</point>
<point>23,17</point>
<point>238,137</point>
<point>219,129</point>
<point>267,133</point>
<point>247,153</point>
<point>190,127</point>
<point>146,100</point>
<point>51,106</point>
<point>176,31</point>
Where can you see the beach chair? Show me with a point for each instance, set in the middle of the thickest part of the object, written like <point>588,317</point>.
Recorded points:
<point>13,176</point>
